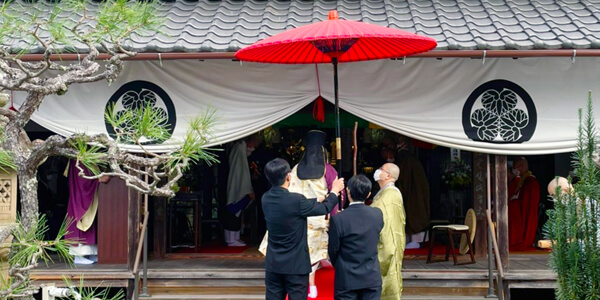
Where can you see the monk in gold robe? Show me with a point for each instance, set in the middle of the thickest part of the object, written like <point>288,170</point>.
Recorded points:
<point>392,239</point>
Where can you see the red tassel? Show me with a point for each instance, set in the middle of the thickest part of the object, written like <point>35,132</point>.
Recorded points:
<point>12,106</point>
<point>319,110</point>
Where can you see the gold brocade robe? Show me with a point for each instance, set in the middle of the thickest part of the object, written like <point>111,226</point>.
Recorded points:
<point>316,234</point>
<point>392,241</point>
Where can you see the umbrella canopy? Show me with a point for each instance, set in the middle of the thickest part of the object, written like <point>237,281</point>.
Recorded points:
<point>334,41</point>
<point>347,41</point>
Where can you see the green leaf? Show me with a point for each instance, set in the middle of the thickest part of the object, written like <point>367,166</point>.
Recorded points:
<point>573,223</point>
<point>90,156</point>
<point>6,161</point>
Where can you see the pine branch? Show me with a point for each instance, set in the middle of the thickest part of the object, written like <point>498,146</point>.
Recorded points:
<point>30,248</point>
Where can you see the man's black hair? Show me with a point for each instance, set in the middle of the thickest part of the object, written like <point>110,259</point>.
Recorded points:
<point>359,187</point>
<point>276,171</point>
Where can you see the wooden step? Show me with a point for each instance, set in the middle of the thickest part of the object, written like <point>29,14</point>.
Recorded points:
<point>251,297</point>
<point>444,283</point>
<point>217,284</point>
<point>98,278</point>
<point>252,289</point>
<point>251,283</point>
<point>226,296</point>
<point>415,297</point>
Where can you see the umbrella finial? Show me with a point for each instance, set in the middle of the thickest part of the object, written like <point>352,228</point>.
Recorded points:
<point>333,15</point>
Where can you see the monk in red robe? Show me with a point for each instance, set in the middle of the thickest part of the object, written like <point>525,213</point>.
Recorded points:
<point>523,201</point>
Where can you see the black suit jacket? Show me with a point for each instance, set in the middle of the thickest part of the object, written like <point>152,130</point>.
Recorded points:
<point>353,239</point>
<point>285,213</point>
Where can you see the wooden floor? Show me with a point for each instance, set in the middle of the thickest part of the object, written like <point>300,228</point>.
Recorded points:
<point>251,259</point>
<point>244,273</point>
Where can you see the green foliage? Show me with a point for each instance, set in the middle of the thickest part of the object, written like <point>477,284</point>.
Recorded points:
<point>138,126</point>
<point>6,157</point>
<point>5,284</point>
<point>67,23</point>
<point>17,288</point>
<point>29,245</point>
<point>118,17</point>
<point>90,156</point>
<point>457,175</point>
<point>573,223</point>
<point>197,137</point>
<point>92,293</point>
<point>6,161</point>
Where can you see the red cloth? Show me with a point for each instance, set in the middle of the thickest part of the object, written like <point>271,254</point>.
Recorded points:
<point>523,214</point>
<point>324,280</point>
<point>319,110</point>
<point>512,186</point>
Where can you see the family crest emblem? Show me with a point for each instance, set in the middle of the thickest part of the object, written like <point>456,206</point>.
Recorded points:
<point>499,111</point>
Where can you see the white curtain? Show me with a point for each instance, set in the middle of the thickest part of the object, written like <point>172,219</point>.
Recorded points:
<point>246,99</point>
<point>423,98</point>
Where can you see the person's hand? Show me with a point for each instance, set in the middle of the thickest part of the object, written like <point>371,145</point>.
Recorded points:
<point>251,196</point>
<point>337,186</point>
<point>104,179</point>
<point>320,199</point>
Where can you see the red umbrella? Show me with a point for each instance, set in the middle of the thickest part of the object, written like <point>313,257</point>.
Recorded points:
<point>335,41</point>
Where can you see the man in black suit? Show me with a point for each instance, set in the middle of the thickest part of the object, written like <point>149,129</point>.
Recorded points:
<point>287,262</point>
<point>353,239</point>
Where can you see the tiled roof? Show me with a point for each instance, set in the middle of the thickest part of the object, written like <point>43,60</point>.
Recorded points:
<point>227,26</point>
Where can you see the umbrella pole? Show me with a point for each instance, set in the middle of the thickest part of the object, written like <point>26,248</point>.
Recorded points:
<point>338,139</point>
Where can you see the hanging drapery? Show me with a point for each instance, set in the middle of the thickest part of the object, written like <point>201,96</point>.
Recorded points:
<point>504,106</point>
<point>318,107</point>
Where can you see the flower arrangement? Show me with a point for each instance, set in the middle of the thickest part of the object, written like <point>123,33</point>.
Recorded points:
<point>376,135</point>
<point>269,136</point>
<point>457,175</point>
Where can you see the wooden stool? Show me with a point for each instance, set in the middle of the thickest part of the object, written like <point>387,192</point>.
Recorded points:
<point>452,230</point>
<point>429,229</point>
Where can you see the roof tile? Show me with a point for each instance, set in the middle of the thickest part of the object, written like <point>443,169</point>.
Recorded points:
<point>228,25</point>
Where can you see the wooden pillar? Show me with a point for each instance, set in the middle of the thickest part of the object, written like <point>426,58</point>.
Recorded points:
<point>501,200</point>
<point>134,226</point>
<point>160,227</point>
<point>112,222</point>
<point>479,203</point>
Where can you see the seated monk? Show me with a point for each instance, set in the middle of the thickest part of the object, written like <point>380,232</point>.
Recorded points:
<point>523,208</point>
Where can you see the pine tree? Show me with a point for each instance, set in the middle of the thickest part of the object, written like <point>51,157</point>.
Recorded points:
<point>101,32</point>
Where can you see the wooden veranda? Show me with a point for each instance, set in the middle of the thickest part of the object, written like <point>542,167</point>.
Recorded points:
<point>241,276</point>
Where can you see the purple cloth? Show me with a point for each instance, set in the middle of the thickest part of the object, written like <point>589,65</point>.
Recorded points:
<point>81,196</point>
<point>234,208</point>
<point>330,175</point>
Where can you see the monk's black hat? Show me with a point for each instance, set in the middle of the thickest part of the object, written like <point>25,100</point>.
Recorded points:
<point>312,164</point>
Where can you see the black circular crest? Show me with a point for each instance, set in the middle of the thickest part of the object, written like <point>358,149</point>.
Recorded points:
<point>491,113</point>
<point>142,94</point>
